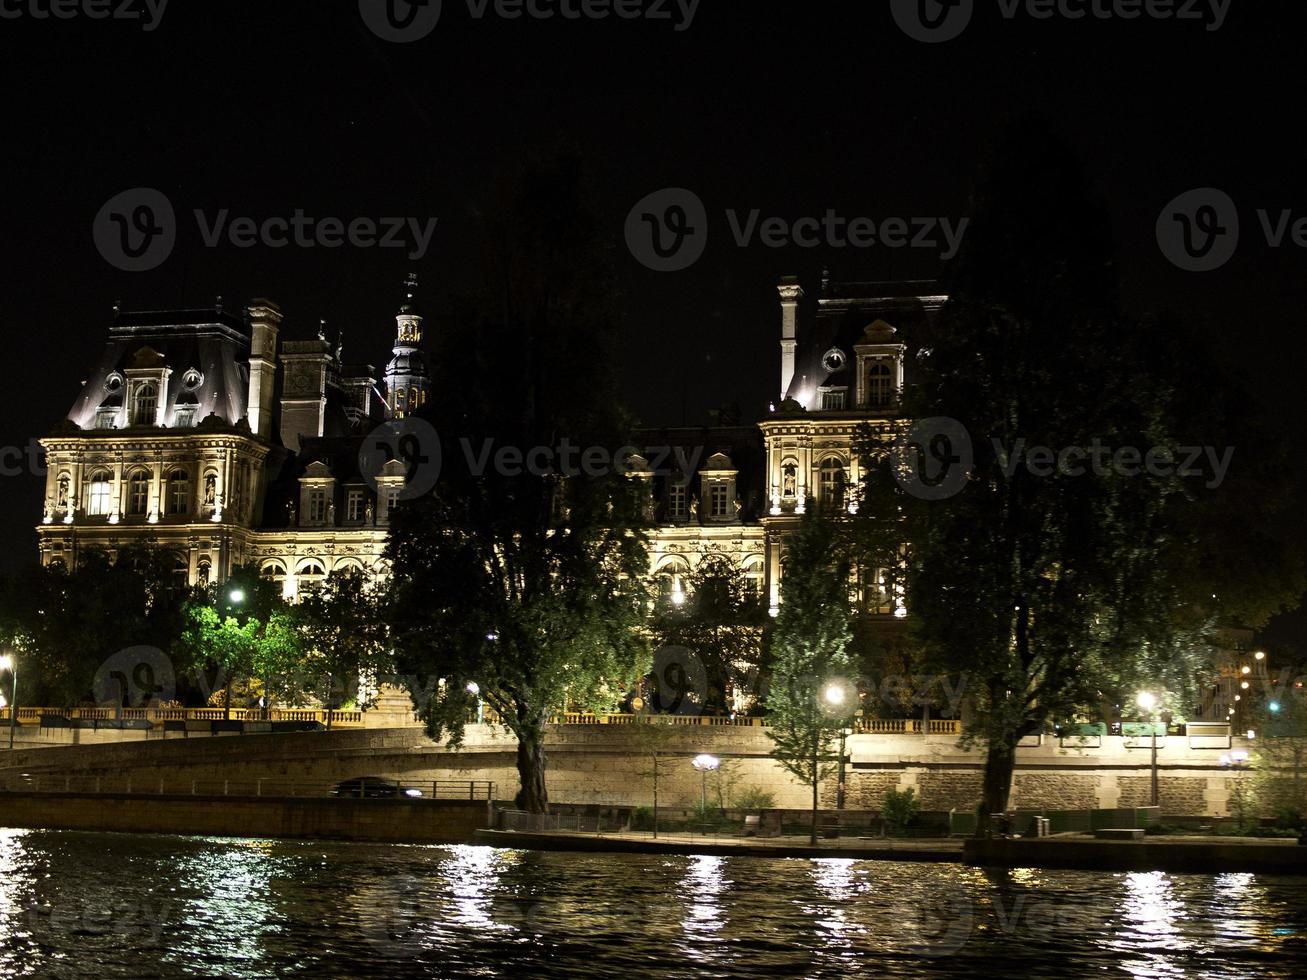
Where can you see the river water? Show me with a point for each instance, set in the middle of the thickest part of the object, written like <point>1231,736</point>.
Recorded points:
<point>111,905</point>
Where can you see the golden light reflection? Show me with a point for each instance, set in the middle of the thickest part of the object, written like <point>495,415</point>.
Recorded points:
<point>231,903</point>
<point>472,876</point>
<point>16,885</point>
<point>1147,927</point>
<point>704,919</point>
<point>838,886</point>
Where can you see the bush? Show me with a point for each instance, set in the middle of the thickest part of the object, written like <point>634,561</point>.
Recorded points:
<point>642,818</point>
<point>899,809</point>
<point>755,798</point>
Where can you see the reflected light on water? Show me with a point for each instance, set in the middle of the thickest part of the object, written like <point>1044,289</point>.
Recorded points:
<point>473,875</point>
<point>1149,912</point>
<point>837,886</point>
<point>16,881</point>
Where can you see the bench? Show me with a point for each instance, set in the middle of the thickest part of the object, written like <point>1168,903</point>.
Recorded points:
<point>1119,833</point>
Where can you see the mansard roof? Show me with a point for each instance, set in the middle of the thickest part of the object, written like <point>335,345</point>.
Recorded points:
<point>213,342</point>
<point>845,312</point>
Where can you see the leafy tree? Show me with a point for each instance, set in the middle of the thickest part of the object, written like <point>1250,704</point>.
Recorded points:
<point>524,575</point>
<point>721,621</point>
<point>241,629</point>
<point>63,625</point>
<point>1280,762</point>
<point>898,810</point>
<point>345,639</point>
<point>809,699</point>
<point>1055,587</point>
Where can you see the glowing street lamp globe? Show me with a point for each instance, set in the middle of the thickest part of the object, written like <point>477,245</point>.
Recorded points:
<point>1146,700</point>
<point>706,763</point>
<point>236,595</point>
<point>834,695</point>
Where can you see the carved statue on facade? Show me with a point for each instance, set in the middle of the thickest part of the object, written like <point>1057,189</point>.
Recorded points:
<point>210,490</point>
<point>63,494</point>
<point>694,508</point>
<point>791,477</point>
<point>367,513</point>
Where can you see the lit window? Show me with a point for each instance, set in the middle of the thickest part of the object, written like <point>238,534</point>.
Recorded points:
<point>98,497</point>
<point>179,492</point>
<point>147,403</point>
<point>392,500</point>
<point>106,418</point>
<point>185,418</point>
<point>138,496</point>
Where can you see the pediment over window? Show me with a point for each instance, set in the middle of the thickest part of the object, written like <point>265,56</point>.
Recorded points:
<point>146,359</point>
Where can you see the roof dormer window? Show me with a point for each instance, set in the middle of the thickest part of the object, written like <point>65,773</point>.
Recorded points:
<point>145,407</point>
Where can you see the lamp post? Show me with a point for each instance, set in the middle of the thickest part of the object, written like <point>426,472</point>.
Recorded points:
<point>235,597</point>
<point>1147,702</point>
<point>705,764</point>
<point>10,663</point>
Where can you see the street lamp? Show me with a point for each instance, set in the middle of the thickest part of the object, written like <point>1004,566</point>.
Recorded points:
<point>10,663</point>
<point>1147,702</point>
<point>834,695</point>
<point>705,764</point>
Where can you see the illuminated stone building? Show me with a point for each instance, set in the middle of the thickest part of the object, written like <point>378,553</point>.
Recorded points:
<point>206,433</point>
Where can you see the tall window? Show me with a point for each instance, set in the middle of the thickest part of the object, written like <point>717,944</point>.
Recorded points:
<point>98,496</point>
<point>147,403</point>
<point>354,506</point>
<point>179,492</point>
<point>138,495</point>
<point>880,387</point>
<point>676,499</point>
<point>832,484</point>
<point>317,505</point>
<point>718,505</point>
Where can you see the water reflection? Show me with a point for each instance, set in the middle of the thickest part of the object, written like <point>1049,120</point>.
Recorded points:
<point>123,905</point>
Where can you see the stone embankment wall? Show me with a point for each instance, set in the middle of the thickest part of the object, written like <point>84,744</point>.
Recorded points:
<point>390,821</point>
<point>605,765</point>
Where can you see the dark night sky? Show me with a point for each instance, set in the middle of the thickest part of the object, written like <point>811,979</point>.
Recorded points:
<point>791,108</point>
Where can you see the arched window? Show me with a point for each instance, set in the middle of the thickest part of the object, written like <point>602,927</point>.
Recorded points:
<point>179,492</point>
<point>145,411</point>
<point>310,575</point>
<point>880,385</point>
<point>138,493</point>
<point>99,494</point>
<point>832,483</point>
<point>181,570</point>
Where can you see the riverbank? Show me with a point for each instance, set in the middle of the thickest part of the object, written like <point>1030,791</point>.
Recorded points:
<point>866,849</point>
<point>1194,855</point>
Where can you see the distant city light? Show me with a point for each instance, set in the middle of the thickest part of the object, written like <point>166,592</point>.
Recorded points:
<point>1274,707</point>
<point>473,687</point>
<point>1244,685</point>
<point>1259,655</point>
<point>1246,669</point>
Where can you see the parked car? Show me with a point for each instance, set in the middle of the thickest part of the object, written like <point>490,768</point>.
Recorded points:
<point>374,788</point>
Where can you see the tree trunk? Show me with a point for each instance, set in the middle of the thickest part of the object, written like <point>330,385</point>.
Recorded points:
<point>532,797</point>
<point>1000,760</point>
<point>816,782</point>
